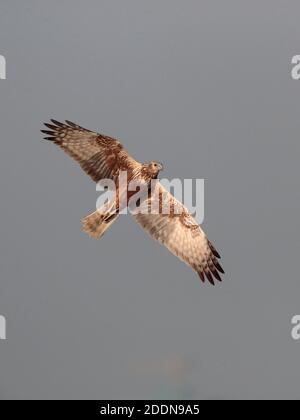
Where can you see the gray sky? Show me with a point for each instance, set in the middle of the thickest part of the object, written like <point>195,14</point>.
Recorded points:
<point>204,87</point>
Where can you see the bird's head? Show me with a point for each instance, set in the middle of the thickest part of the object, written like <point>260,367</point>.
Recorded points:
<point>154,168</point>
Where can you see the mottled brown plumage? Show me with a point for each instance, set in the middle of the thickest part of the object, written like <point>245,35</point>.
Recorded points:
<point>99,156</point>
<point>102,157</point>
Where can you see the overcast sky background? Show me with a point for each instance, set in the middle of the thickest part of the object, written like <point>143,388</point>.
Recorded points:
<point>204,87</point>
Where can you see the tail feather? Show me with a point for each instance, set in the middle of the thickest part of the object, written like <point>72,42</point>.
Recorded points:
<point>97,223</point>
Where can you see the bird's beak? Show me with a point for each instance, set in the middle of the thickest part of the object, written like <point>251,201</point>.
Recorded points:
<point>161,167</point>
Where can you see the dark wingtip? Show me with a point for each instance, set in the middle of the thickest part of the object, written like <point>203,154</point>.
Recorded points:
<point>219,267</point>
<point>210,277</point>
<point>201,275</point>
<point>51,126</point>
<point>70,123</point>
<point>216,275</point>
<point>57,123</point>
<point>213,250</point>
<point>50,133</point>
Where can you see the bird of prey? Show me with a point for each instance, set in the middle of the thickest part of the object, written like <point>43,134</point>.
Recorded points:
<point>102,157</point>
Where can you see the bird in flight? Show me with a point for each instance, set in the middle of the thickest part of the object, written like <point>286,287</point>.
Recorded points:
<point>103,157</point>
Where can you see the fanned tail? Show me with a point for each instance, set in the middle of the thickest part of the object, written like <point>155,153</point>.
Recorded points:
<point>97,223</point>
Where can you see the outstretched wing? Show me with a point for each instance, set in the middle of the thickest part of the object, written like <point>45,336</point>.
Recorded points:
<point>179,232</point>
<point>98,155</point>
